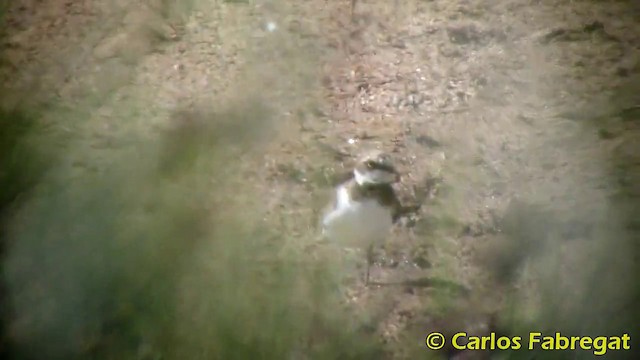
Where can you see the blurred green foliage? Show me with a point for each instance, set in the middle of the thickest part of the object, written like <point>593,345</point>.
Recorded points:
<point>143,259</point>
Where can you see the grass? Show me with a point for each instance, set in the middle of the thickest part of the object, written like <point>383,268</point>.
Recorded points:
<point>129,244</point>
<point>144,256</point>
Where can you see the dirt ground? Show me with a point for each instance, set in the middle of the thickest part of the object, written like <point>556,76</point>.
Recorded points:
<point>513,122</point>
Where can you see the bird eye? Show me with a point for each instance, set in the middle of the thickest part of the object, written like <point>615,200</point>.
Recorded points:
<point>370,164</point>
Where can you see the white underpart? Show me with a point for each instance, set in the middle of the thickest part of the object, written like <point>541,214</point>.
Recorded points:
<point>373,177</point>
<point>357,223</point>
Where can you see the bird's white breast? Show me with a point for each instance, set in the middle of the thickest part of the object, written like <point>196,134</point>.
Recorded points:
<point>357,223</point>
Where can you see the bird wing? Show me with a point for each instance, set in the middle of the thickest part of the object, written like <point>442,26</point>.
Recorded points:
<point>399,210</point>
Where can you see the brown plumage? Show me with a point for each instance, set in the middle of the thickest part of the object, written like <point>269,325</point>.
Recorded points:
<point>383,193</point>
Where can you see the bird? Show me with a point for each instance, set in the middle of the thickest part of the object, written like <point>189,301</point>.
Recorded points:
<point>364,206</point>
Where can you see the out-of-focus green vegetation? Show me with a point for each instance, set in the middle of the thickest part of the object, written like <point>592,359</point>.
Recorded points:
<point>147,257</point>
<point>23,163</point>
<point>147,249</point>
<point>579,277</point>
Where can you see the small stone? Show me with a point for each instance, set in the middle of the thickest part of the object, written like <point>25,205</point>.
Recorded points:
<point>271,26</point>
<point>110,47</point>
<point>606,134</point>
<point>428,141</point>
<point>594,26</point>
<point>622,72</point>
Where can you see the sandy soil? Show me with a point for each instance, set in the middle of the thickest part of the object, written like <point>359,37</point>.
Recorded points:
<point>514,123</point>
